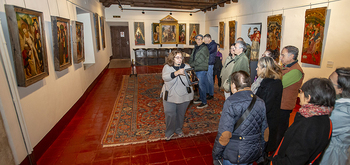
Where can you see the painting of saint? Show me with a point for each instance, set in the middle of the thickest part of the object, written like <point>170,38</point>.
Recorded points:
<point>62,35</point>
<point>313,35</point>
<point>61,42</point>
<point>194,30</point>
<point>139,31</point>
<point>232,27</point>
<point>103,32</point>
<point>255,39</point>
<point>222,34</point>
<point>155,32</point>
<point>168,34</point>
<point>182,33</point>
<point>79,32</point>
<point>97,32</point>
<point>274,26</point>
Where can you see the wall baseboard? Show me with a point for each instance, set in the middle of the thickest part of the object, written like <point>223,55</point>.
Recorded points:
<point>52,135</point>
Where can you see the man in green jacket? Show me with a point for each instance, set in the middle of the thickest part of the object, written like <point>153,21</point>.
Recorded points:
<point>199,61</point>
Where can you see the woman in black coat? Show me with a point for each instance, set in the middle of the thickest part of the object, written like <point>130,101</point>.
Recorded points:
<point>269,87</point>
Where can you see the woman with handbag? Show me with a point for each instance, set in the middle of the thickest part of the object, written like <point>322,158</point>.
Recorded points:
<point>240,138</point>
<point>306,139</point>
<point>176,93</point>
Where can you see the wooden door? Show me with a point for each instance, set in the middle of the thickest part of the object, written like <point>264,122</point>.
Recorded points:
<point>120,42</point>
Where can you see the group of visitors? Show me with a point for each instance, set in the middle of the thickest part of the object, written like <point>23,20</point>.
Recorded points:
<point>254,124</point>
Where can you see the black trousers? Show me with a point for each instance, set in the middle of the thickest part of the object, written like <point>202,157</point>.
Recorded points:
<point>217,74</point>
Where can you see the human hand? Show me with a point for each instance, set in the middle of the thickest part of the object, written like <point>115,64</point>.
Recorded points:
<point>180,72</point>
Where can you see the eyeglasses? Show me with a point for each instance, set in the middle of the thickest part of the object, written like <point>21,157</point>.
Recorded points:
<point>179,58</point>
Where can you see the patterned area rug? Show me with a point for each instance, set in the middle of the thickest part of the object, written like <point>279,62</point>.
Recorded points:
<point>138,114</point>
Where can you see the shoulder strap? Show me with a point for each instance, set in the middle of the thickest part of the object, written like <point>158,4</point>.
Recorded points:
<point>245,114</point>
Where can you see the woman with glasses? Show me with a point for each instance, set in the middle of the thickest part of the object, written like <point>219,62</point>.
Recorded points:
<point>306,139</point>
<point>337,151</point>
<point>268,86</point>
<point>176,93</point>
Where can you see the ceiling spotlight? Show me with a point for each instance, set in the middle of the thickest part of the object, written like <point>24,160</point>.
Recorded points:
<point>171,13</point>
<point>190,14</point>
<point>143,12</point>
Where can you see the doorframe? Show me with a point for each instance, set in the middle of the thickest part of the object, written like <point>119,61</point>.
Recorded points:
<point>121,23</point>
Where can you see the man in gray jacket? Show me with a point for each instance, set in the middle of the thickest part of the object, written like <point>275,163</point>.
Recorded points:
<point>199,61</point>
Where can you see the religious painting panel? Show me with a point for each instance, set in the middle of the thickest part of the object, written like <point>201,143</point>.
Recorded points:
<point>315,20</point>
<point>221,34</point>
<point>27,36</point>
<point>102,24</point>
<point>232,28</point>
<point>274,29</point>
<point>61,42</point>
<point>182,33</point>
<point>155,33</point>
<point>139,30</point>
<point>97,31</point>
<point>194,30</point>
<point>169,33</point>
<point>78,41</point>
<point>251,35</point>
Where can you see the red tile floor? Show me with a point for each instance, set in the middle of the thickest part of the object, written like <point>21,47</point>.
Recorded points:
<point>80,142</point>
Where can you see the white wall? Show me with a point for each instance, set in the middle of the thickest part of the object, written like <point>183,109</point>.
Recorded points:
<point>336,42</point>
<point>152,17</point>
<point>47,101</point>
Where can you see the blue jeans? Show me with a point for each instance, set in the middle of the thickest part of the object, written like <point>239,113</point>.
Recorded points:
<point>210,82</point>
<point>202,76</point>
<point>227,162</point>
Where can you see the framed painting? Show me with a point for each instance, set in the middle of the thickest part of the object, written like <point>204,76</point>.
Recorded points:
<point>139,30</point>
<point>182,33</point>
<point>102,25</point>
<point>97,31</point>
<point>194,30</point>
<point>274,29</point>
<point>315,20</point>
<point>155,33</point>
<point>232,32</point>
<point>251,35</point>
<point>27,36</point>
<point>169,33</point>
<point>222,34</point>
<point>61,42</point>
<point>78,41</point>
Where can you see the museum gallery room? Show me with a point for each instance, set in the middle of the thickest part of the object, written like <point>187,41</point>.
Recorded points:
<point>81,79</point>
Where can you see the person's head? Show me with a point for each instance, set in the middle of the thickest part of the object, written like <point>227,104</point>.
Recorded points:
<point>174,58</point>
<point>289,54</point>
<point>271,53</point>
<point>317,91</point>
<point>232,49</point>
<point>240,47</point>
<point>218,47</point>
<point>240,39</point>
<point>239,80</point>
<point>199,39</point>
<point>207,39</point>
<point>267,68</point>
<point>341,81</point>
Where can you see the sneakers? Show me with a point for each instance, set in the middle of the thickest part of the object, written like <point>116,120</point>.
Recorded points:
<point>209,97</point>
<point>180,134</point>
<point>200,106</point>
<point>198,101</point>
<point>168,138</point>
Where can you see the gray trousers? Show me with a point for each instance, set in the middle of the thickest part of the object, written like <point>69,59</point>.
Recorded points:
<point>174,117</point>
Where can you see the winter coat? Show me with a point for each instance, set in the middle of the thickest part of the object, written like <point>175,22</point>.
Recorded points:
<point>303,141</point>
<point>199,58</point>
<point>337,153</point>
<point>213,48</point>
<point>270,90</point>
<point>250,147</point>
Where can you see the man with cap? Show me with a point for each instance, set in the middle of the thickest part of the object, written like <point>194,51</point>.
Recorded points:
<point>199,61</point>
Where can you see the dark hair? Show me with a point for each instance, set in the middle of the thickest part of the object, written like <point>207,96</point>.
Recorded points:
<point>292,50</point>
<point>241,79</point>
<point>242,44</point>
<point>230,54</point>
<point>274,54</point>
<point>321,91</point>
<point>344,81</point>
<point>208,36</point>
<point>240,38</point>
<point>171,56</point>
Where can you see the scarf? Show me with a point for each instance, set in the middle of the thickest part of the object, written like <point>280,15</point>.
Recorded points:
<point>309,110</point>
<point>256,85</point>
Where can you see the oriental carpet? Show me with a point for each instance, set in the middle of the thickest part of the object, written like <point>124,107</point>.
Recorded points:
<point>138,114</point>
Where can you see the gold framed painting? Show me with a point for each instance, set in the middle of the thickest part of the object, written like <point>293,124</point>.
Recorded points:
<point>61,42</point>
<point>155,33</point>
<point>169,33</point>
<point>232,32</point>
<point>274,29</point>
<point>27,36</point>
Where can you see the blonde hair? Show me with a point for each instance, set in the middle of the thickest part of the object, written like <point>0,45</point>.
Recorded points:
<point>272,70</point>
